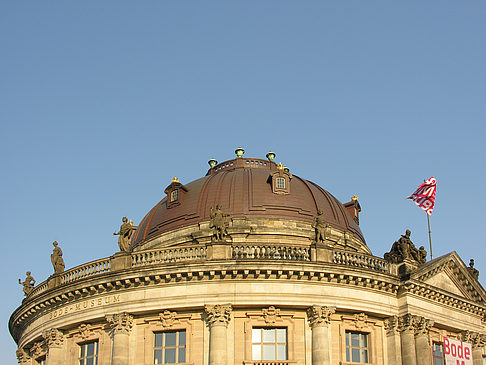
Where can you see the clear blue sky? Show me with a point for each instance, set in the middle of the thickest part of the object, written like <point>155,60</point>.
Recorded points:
<point>102,102</point>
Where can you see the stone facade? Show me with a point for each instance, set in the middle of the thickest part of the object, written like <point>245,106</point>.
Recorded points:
<point>269,277</point>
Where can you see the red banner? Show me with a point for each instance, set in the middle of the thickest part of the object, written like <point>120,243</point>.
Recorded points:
<point>424,196</point>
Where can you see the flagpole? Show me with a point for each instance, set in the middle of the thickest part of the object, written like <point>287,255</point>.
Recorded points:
<point>430,236</point>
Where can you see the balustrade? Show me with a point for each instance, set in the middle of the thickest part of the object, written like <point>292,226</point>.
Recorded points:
<point>155,257</point>
<point>361,260</point>
<point>263,252</point>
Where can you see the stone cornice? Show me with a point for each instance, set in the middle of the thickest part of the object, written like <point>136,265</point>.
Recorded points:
<point>112,283</point>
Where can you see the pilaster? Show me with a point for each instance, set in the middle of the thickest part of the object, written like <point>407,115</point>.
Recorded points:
<point>120,325</point>
<point>54,339</point>
<point>407,339</point>
<point>319,321</point>
<point>393,340</point>
<point>218,317</point>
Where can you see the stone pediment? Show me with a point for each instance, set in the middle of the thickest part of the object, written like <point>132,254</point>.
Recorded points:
<point>450,274</point>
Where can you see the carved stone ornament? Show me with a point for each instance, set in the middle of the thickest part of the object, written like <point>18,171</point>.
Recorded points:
<point>391,325</point>
<point>120,323</point>
<point>37,350</point>
<point>406,323</point>
<point>85,331</point>
<point>22,356</point>
<point>53,338</point>
<point>56,259</point>
<point>320,316</point>
<point>218,315</point>
<point>422,325</point>
<point>219,222</point>
<point>28,283</point>
<point>478,340</point>
<point>473,271</point>
<point>360,320</point>
<point>271,315</point>
<point>168,318</point>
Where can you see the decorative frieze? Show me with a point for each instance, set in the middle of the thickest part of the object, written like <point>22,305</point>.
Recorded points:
<point>38,349</point>
<point>120,322</point>
<point>320,316</point>
<point>53,337</point>
<point>218,314</point>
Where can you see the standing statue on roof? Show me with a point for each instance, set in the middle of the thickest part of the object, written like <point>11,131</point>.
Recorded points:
<point>56,259</point>
<point>126,233</point>
<point>28,283</point>
<point>319,226</point>
<point>220,222</point>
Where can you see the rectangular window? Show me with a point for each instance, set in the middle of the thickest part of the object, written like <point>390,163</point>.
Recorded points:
<point>88,353</point>
<point>357,347</point>
<point>438,354</point>
<point>170,347</point>
<point>174,195</point>
<point>269,343</point>
<point>280,183</point>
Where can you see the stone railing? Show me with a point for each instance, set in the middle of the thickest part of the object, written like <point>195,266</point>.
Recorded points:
<point>264,252</point>
<point>269,362</point>
<point>83,271</point>
<point>360,260</point>
<point>154,257</point>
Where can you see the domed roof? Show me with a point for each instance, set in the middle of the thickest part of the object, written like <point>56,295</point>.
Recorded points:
<point>244,187</point>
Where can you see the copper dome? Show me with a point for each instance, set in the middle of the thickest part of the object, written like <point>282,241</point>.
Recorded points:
<point>243,188</point>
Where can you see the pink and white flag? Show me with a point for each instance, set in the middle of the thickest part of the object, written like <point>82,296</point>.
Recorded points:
<point>424,196</point>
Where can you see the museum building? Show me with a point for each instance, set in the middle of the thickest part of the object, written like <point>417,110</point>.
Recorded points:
<point>251,265</point>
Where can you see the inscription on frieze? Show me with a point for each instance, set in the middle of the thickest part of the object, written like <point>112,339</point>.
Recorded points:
<point>83,305</point>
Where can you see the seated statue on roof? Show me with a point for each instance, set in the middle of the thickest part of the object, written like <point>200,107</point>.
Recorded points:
<point>404,249</point>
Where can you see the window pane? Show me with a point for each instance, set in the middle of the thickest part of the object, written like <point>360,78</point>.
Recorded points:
<point>269,335</point>
<point>281,335</point>
<point>348,353</point>
<point>355,355</point>
<point>170,339</point>
<point>364,340</point>
<point>90,349</point>
<point>281,352</point>
<point>355,339</point>
<point>158,356</point>
<point>182,355</point>
<point>82,348</point>
<point>256,335</point>
<point>364,355</point>
<point>182,338</point>
<point>268,352</point>
<point>89,361</point>
<point>170,356</point>
<point>158,340</point>
<point>256,351</point>
<point>348,336</point>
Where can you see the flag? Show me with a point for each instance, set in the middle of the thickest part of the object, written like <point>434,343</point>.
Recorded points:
<point>424,196</point>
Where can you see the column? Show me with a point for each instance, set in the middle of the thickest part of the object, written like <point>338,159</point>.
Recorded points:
<point>121,326</point>
<point>422,343</point>
<point>54,341</point>
<point>478,340</point>
<point>218,317</point>
<point>393,341</point>
<point>407,339</point>
<point>319,321</point>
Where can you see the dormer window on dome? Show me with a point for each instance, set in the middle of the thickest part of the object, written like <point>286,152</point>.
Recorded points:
<point>175,193</point>
<point>280,180</point>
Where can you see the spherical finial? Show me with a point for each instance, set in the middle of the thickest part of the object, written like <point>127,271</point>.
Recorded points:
<point>354,198</point>
<point>175,180</point>
<point>212,162</point>
<point>280,166</point>
<point>270,156</point>
<point>239,152</point>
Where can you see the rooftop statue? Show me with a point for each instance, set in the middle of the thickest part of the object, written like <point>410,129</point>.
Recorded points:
<point>220,222</point>
<point>126,233</point>
<point>404,249</point>
<point>474,272</point>
<point>56,259</point>
<point>28,283</point>
<point>320,227</point>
